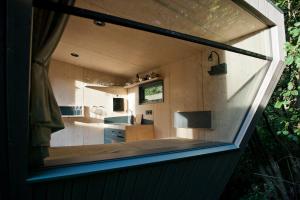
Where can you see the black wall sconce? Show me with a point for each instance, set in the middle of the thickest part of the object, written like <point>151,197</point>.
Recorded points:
<point>218,69</point>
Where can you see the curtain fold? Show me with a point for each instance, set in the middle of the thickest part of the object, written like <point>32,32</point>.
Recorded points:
<point>45,116</point>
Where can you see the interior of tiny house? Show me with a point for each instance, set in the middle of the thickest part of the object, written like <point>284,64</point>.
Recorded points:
<point>126,92</point>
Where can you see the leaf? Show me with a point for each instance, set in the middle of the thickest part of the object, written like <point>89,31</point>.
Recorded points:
<point>287,46</point>
<point>290,86</point>
<point>286,124</point>
<point>297,62</point>
<point>278,132</point>
<point>297,131</point>
<point>297,24</point>
<point>288,93</point>
<point>295,32</point>
<point>285,132</point>
<point>289,60</point>
<point>278,104</point>
<point>294,92</point>
<point>286,102</point>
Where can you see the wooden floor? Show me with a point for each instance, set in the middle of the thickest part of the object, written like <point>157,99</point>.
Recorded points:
<point>87,153</point>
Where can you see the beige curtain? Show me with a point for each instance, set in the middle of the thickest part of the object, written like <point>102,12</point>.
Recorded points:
<point>45,117</point>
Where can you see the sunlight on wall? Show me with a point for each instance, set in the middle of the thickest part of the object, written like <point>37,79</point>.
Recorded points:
<point>185,133</point>
<point>131,102</point>
<point>240,70</point>
<point>79,93</point>
<point>97,102</point>
<point>231,95</point>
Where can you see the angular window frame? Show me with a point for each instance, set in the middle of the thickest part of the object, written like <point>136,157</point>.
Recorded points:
<point>242,136</point>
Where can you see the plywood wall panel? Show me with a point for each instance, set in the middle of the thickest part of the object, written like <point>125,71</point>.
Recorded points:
<point>182,92</point>
<point>189,87</point>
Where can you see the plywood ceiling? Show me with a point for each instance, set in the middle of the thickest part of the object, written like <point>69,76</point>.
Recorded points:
<point>125,52</point>
<point>218,20</point>
<point>118,50</point>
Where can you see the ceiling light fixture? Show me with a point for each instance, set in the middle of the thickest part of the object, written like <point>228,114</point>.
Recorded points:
<point>99,23</point>
<point>76,55</point>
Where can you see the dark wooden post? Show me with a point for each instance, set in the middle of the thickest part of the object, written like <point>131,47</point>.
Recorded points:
<point>16,93</point>
<point>3,129</point>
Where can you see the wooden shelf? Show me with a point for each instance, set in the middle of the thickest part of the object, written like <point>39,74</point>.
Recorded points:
<point>102,86</point>
<point>142,82</point>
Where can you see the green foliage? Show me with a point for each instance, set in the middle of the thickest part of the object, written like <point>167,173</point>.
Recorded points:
<point>284,107</point>
<point>270,166</point>
<point>259,193</point>
<point>157,89</point>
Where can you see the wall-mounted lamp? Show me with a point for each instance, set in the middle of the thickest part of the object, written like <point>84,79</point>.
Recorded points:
<point>210,57</point>
<point>218,69</point>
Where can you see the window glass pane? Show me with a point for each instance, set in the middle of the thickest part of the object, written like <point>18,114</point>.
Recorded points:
<point>205,98</point>
<point>230,96</point>
<point>258,42</point>
<point>218,20</point>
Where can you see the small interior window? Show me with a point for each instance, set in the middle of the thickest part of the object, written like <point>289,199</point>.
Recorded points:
<point>118,104</point>
<point>151,92</point>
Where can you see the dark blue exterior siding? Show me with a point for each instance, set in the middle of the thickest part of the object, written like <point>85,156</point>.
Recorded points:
<point>202,177</point>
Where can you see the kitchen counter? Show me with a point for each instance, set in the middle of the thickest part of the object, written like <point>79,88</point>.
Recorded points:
<point>120,126</point>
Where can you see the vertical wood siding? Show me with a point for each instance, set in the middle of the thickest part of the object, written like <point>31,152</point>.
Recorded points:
<point>202,177</point>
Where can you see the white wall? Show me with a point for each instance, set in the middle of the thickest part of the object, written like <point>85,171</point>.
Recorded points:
<point>69,86</point>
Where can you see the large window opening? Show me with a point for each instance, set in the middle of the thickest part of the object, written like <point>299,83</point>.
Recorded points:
<point>141,93</point>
